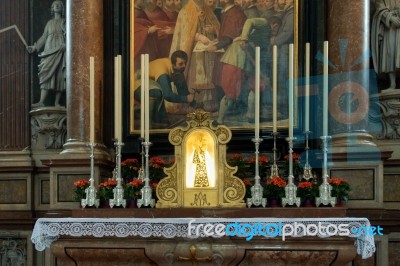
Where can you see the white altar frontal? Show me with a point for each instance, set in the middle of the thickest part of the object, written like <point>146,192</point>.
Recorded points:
<point>203,241</point>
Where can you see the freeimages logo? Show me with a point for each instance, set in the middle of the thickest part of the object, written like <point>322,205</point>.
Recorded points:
<point>270,230</point>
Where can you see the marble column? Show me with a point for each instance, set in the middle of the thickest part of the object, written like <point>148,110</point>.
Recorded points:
<point>84,40</point>
<point>348,33</point>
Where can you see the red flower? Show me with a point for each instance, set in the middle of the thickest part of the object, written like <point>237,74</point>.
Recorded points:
<point>262,160</point>
<point>295,156</point>
<point>337,181</point>
<point>247,182</point>
<point>236,156</point>
<point>277,181</point>
<point>110,183</point>
<point>81,183</point>
<point>305,184</point>
<point>135,183</point>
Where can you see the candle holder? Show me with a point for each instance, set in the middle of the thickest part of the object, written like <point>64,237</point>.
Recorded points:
<point>91,192</point>
<point>147,199</point>
<point>325,188</point>
<point>118,199</point>
<point>290,189</point>
<point>274,166</point>
<point>257,190</point>
<point>307,171</point>
<point>141,174</point>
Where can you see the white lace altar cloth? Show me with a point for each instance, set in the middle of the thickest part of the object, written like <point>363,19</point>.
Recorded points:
<point>47,230</point>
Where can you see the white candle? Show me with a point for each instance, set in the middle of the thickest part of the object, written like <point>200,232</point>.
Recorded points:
<point>325,94</point>
<point>116,104</point>
<point>291,51</point>
<point>307,92</point>
<point>118,97</point>
<point>142,89</point>
<point>257,94</point>
<point>274,88</point>
<point>91,80</point>
<point>146,102</point>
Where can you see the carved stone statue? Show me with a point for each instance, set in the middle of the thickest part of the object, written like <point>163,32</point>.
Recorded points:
<point>385,41</point>
<point>52,63</point>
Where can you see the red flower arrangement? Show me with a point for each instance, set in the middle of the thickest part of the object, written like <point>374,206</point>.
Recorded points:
<point>307,190</point>
<point>275,188</point>
<point>79,189</point>
<point>106,189</point>
<point>132,189</point>
<point>130,168</point>
<point>340,188</point>
<point>296,160</point>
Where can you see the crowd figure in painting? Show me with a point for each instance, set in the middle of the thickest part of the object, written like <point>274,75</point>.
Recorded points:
<point>215,41</point>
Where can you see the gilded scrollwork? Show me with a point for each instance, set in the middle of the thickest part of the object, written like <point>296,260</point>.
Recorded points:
<point>200,176</point>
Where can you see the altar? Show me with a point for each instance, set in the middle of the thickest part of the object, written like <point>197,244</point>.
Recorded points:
<point>160,237</point>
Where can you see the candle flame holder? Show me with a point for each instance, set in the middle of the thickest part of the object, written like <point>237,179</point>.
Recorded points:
<point>325,188</point>
<point>274,166</point>
<point>118,199</point>
<point>290,189</point>
<point>91,192</point>
<point>147,192</point>
<point>307,171</point>
<point>257,190</point>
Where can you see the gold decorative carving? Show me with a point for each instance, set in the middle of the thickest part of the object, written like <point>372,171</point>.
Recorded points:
<point>193,258</point>
<point>200,154</point>
<point>200,200</point>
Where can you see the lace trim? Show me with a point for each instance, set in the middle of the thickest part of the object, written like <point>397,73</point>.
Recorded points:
<point>47,230</point>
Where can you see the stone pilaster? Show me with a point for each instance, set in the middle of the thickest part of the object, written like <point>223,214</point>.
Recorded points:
<point>348,34</point>
<point>84,40</point>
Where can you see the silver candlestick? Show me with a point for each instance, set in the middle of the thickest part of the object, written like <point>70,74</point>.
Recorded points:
<point>325,188</point>
<point>274,167</point>
<point>91,192</point>
<point>257,190</point>
<point>290,189</point>
<point>141,174</point>
<point>147,199</point>
<point>118,199</point>
<point>307,171</point>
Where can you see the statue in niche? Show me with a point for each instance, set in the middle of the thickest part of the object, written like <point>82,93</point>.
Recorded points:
<point>199,159</point>
<point>385,41</point>
<point>52,63</point>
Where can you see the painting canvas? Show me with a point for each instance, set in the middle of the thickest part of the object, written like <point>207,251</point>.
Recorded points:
<point>219,39</point>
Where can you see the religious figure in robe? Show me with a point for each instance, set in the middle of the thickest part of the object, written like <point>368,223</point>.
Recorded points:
<point>232,62</point>
<point>196,28</point>
<point>52,67</point>
<point>385,38</point>
<point>282,39</point>
<point>145,41</point>
<point>199,159</point>
<point>164,35</point>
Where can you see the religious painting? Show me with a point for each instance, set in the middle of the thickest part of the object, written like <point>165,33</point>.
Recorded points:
<point>202,55</point>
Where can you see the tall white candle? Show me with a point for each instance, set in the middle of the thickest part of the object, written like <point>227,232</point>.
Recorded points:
<point>291,85</point>
<point>142,89</point>
<point>257,94</point>
<point>116,104</point>
<point>118,97</point>
<point>91,80</point>
<point>307,92</point>
<point>325,94</point>
<point>274,88</point>
<point>146,102</point>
